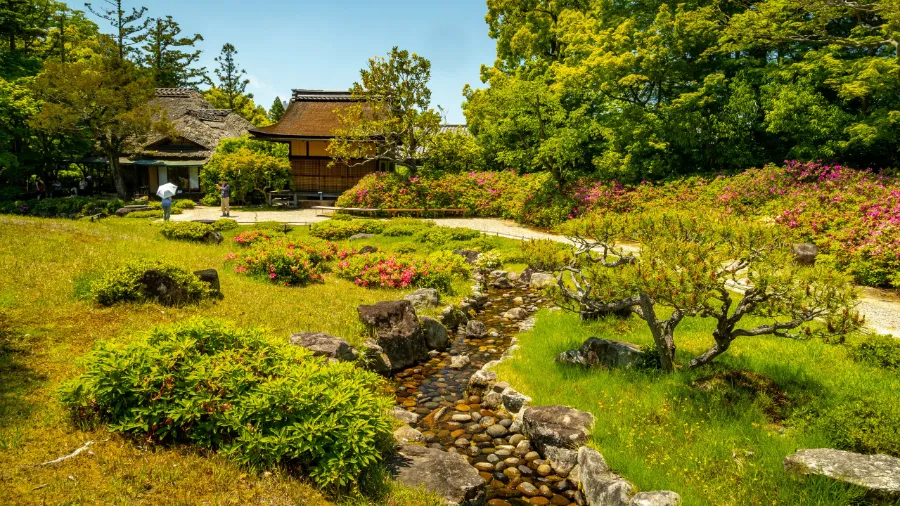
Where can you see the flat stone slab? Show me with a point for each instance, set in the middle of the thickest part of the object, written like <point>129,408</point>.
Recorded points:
<point>558,426</point>
<point>444,473</point>
<point>880,474</point>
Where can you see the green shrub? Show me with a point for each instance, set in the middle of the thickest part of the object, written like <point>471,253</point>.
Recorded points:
<point>399,227</point>
<point>881,351</point>
<point>182,204</point>
<point>224,224</point>
<point>65,206</point>
<point>487,261</point>
<point>438,236</point>
<point>861,426</point>
<point>139,281</point>
<point>137,215</point>
<point>343,229</point>
<point>186,231</point>
<point>232,389</point>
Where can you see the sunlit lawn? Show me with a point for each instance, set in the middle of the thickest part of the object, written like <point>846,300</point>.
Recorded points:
<point>47,266</point>
<point>722,445</point>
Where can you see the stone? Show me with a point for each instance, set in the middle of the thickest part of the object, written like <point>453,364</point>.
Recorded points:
<point>452,317</point>
<point>407,434</point>
<point>541,280</point>
<point>492,400</point>
<point>357,237</point>
<point>562,460</point>
<point>434,333</point>
<point>475,328</point>
<point>124,211</point>
<point>605,353</point>
<point>397,332</point>
<point>558,426</point>
<point>446,474</point>
<point>375,359</point>
<point>496,430</point>
<point>514,401</point>
<point>527,489</point>
<point>325,345</point>
<point>544,470</point>
<point>459,361</point>
<point>212,237</point>
<point>656,498</point>
<point>211,278</point>
<point>424,298</point>
<point>158,285</point>
<point>805,254</point>
<point>522,447</point>
<point>470,255</point>
<point>461,417</point>
<point>403,415</point>
<point>500,279</point>
<point>600,485</point>
<point>484,466</point>
<point>365,250</point>
<point>480,382</point>
<point>515,313</point>
<point>878,474</point>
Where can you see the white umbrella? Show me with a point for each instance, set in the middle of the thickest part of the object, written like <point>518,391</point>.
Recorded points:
<point>167,190</point>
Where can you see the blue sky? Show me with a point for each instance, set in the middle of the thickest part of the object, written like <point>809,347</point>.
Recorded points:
<point>322,44</point>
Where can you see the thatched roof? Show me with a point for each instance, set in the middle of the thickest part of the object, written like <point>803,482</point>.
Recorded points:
<point>310,115</point>
<point>200,128</point>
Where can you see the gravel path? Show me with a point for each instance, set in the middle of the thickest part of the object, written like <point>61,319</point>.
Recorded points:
<point>881,308</point>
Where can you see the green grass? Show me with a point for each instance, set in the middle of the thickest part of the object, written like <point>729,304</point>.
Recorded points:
<point>721,445</point>
<point>47,322</point>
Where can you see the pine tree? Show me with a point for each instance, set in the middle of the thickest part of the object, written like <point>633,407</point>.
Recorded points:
<point>277,110</point>
<point>231,78</point>
<point>129,28</point>
<point>169,65</point>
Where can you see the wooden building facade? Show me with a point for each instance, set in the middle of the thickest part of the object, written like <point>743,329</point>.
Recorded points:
<point>308,126</point>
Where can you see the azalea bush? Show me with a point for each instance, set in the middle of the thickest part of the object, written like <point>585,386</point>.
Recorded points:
<point>232,389</point>
<point>381,270</point>
<point>251,237</point>
<point>284,262</point>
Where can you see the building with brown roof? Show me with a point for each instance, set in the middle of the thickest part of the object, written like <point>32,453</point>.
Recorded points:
<point>199,129</point>
<point>308,125</point>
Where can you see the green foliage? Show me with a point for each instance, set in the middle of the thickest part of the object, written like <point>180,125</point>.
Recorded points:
<point>232,389</point>
<point>453,150</point>
<point>185,230</point>
<point>251,237</point>
<point>182,204</point>
<point>860,426</point>
<point>138,282</point>
<point>880,351</point>
<point>276,111</point>
<point>225,224</point>
<point>282,263</point>
<point>343,229</point>
<point>251,168</point>
<point>69,206</point>
<point>438,236</point>
<point>399,227</point>
<point>488,261</point>
<point>163,56</point>
<point>140,215</point>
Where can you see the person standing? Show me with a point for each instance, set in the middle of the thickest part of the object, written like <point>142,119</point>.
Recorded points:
<point>225,193</point>
<point>167,208</point>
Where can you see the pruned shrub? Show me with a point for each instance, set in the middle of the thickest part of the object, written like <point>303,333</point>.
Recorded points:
<point>146,281</point>
<point>442,235</point>
<point>138,215</point>
<point>182,204</point>
<point>881,351</point>
<point>232,389</point>
<point>380,270</point>
<point>400,227</point>
<point>343,229</point>
<point>187,231</point>
<point>64,206</point>
<point>285,263</point>
<point>251,237</point>
<point>225,224</point>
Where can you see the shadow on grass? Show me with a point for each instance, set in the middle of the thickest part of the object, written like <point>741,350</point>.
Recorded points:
<point>17,380</point>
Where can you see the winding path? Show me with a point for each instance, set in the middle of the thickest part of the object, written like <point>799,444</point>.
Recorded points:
<point>881,308</point>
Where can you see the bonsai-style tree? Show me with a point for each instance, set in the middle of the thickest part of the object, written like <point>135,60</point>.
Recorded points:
<point>393,119</point>
<point>717,267</point>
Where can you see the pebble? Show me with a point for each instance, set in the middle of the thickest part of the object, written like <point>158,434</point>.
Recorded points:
<point>516,439</point>
<point>540,501</point>
<point>544,470</point>
<point>497,430</point>
<point>484,466</point>
<point>512,461</point>
<point>498,502</point>
<point>506,422</point>
<point>545,491</point>
<point>493,459</point>
<point>559,500</point>
<point>523,448</point>
<point>532,456</point>
<point>527,489</point>
<point>461,417</point>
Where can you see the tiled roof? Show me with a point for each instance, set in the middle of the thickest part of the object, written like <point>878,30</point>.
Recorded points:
<point>311,114</point>
<point>176,92</point>
<point>322,96</point>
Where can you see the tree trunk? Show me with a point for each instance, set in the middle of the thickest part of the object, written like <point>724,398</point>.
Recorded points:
<point>665,344</point>
<point>118,179</point>
<point>719,348</point>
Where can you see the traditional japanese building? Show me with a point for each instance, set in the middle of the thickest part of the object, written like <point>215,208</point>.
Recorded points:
<point>308,126</point>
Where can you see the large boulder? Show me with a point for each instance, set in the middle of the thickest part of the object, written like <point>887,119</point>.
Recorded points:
<point>403,415</point>
<point>600,485</point>
<point>158,285</point>
<point>558,426</point>
<point>424,298</point>
<point>561,460</point>
<point>365,250</point>
<point>452,317</point>
<point>212,237</point>
<point>434,333</point>
<point>470,255</point>
<point>656,498</point>
<point>516,313</point>
<point>481,382</point>
<point>805,254</point>
<point>211,278</point>
<point>325,345</point>
<point>596,352</point>
<point>397,331</point>
<point>447,474</point>
<point>879,474</point>
<point>406,434</point>
<point>514,401</point>
<point>499,279</point>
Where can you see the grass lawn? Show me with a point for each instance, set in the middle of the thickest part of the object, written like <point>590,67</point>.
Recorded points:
<point>722,440</point>
<point>47,324</point>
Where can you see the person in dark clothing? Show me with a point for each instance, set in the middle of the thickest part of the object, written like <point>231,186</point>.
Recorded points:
<point>225,193</point>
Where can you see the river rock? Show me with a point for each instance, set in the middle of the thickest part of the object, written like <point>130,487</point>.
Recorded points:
<point>211,278</point>
<point>559,426</point>
<point>459,361</point>
<point>212,237</point>
<point>481,382</point>
<point>605,353</point>
<point>325,345</point>
<point>403,415</point>
<point>562,460</point>
<point>475,328</point>
<point>470,255</point>
<point>805,254</point>
<point>452,317</point>
<point>500,279</point>
<point>492,400</point>
<point>446,474</point>
<point>656,498</point>
<point>515,313</point>
<point>407,434</point>
<point>397,331</point>
<point>514,401</point>
<point>375,359</point>
<point>424,298</point>
<point>434,333</point>
<point>879,474</point>
<point>600,485</point>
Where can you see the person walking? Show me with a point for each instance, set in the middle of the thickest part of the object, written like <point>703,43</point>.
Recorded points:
<point>225,191</point>
<point>167,208</point>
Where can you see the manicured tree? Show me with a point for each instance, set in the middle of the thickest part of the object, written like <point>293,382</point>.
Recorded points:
<point>394,120</point>
<point>163,54</point>
<point>247,171</point>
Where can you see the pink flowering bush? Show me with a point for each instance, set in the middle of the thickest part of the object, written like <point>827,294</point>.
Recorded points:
<point>251,237</point>
<point>285,262</point>
<point>381,270</point>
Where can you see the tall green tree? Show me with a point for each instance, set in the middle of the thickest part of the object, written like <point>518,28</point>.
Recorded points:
<point>170,57</point>
<point>277,110</point>
<point>103,99</point>
<point>248,109</point>
<point>232,80</point>
<point>393,119</point>
<point>128,27</point>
